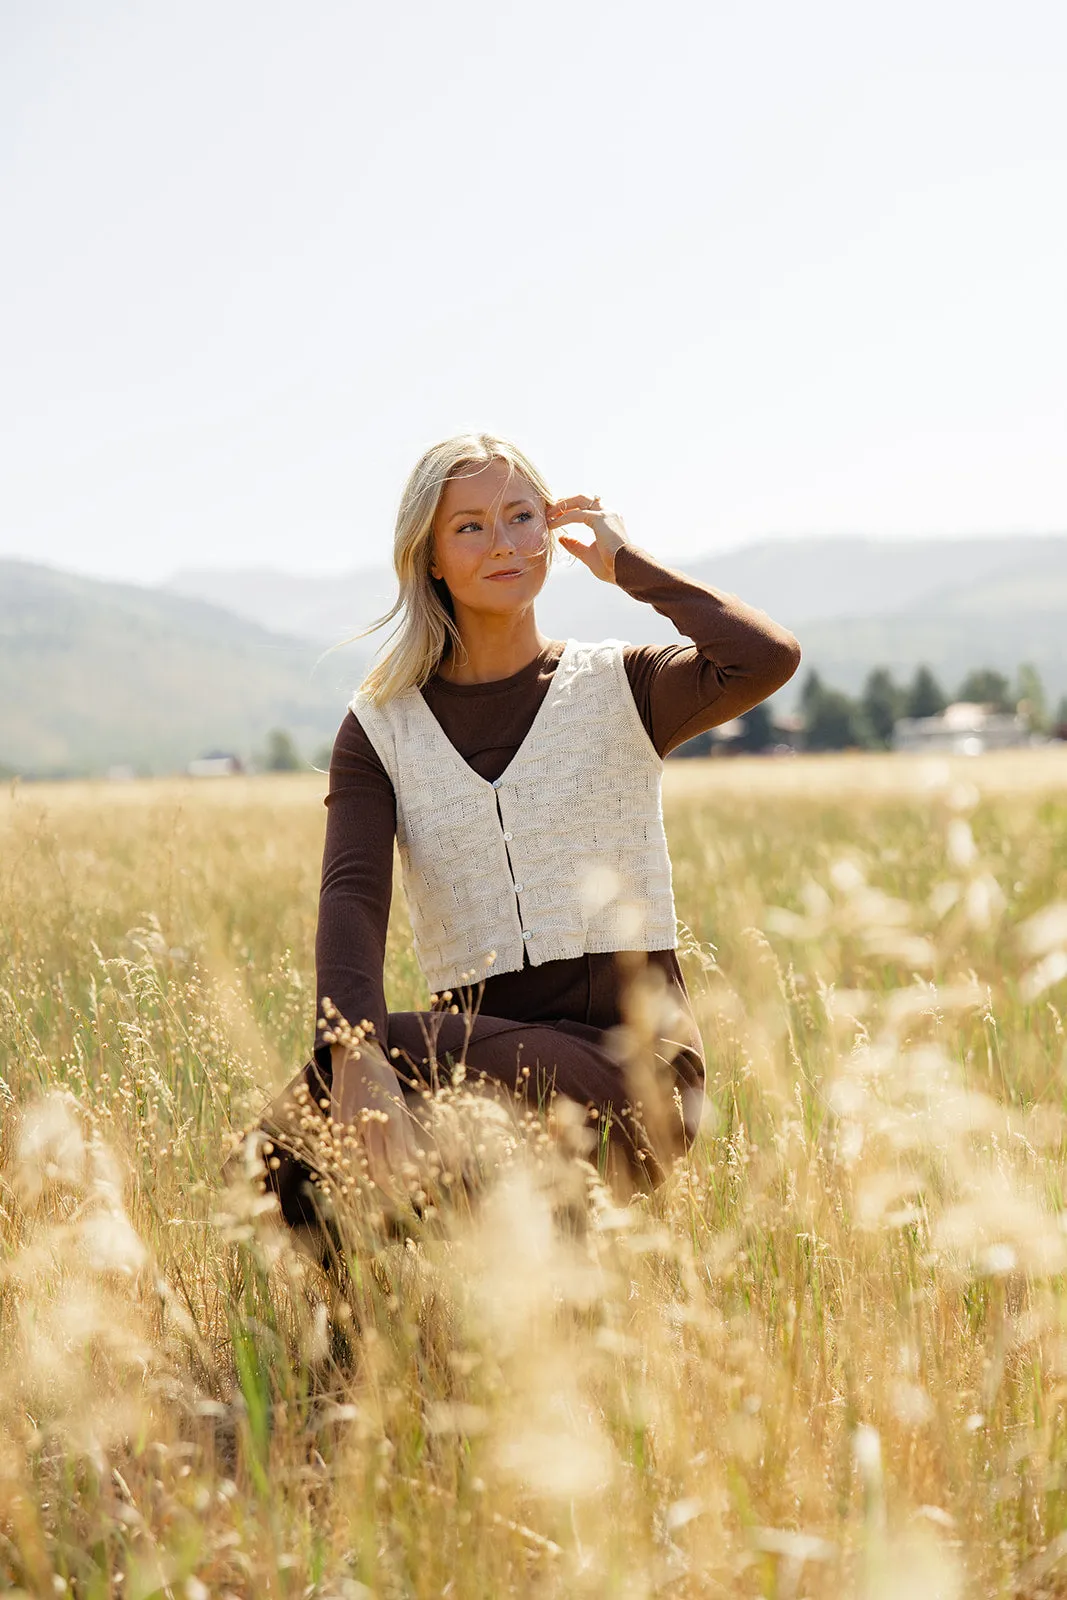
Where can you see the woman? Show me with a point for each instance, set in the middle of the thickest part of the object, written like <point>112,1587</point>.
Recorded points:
<point>521,778</point>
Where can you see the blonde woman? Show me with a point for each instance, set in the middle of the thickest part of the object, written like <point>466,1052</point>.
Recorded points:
<point>520,776</point>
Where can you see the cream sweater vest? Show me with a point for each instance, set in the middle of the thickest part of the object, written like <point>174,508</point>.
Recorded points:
<point>563,855</point>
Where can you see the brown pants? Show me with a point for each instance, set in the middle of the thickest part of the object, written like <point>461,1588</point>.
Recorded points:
<point>531,1061</point>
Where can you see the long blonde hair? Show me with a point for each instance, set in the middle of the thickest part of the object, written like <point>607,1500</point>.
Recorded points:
<point>426,630</point>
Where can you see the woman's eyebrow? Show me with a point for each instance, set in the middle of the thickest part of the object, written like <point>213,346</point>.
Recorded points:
<point>455,514</point>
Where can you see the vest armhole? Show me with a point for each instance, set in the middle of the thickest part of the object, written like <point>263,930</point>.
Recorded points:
<point>626,690</point>
<point>376,730</point>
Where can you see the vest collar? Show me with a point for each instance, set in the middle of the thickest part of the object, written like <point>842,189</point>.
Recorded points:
<point>435,734</point>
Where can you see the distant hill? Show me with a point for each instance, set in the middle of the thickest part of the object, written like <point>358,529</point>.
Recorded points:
<point>323,609</point>
<point>796,580</point>
<point>988,613</point>
<point>853,602</point>
<point>97,674</point>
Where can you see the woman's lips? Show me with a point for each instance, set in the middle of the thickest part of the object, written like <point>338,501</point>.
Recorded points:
<point>497,577</point>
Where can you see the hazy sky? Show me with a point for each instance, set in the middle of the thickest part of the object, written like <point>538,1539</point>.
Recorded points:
<point>743,268</point>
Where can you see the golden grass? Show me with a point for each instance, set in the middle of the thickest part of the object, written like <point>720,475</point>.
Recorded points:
<point>828,1358</point>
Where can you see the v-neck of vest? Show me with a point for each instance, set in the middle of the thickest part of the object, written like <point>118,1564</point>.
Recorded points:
<point>439,732</point>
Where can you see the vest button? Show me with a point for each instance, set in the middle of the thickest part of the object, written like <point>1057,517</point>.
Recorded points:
<point>527,933</point>
<point>517,887</point>
<point>507,836</point>
<point>497,782</point>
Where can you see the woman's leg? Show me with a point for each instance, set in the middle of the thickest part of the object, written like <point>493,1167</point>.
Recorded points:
<point>535,1062</point>
<point>530,1062</point>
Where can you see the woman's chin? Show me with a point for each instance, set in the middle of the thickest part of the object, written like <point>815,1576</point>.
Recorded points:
<point>500,595</point>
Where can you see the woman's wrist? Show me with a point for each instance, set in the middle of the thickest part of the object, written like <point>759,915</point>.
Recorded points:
<point>621,544</point>
<point>367,1098</point>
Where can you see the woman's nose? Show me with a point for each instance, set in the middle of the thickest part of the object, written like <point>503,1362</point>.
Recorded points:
<point>503,536</point>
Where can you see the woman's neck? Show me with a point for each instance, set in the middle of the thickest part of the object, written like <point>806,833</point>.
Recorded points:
<point>493,647</point>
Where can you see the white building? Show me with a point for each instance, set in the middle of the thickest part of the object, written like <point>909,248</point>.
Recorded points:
<point>963,729</point>
<point>217,765</point>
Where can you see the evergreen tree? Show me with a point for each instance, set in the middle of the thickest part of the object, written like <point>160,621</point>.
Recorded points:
<point>282,754</point>
<point>811,691</point>
<point>759,730</point>
<point>986,687</point>
<point>924,696</point>
<point>881,702</point>
<point>1029,695</point>
<point>832,721</point>
<point>1059,720</point>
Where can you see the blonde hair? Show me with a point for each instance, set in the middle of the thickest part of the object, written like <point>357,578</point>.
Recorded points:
<point>426,630</point>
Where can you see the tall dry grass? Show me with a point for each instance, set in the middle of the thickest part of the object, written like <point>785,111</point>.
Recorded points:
<point>828,1358</point>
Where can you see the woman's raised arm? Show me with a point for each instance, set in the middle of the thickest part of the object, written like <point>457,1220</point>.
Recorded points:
<point>737,658</point>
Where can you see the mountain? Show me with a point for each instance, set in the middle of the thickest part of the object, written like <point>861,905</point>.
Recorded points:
<point>796,580</point>
<point>988,615</point>
<point>853,602</point>
<point>321,608</point>
<point>96,674</point>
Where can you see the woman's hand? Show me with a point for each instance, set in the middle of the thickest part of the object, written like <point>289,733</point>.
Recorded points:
<point>366,1099</point>
<point>609,535</point>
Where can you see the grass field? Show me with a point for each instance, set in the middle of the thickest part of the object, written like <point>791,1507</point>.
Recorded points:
<point>827,1358</point>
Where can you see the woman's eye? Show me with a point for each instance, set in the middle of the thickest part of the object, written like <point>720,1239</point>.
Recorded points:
<point>475,527</point>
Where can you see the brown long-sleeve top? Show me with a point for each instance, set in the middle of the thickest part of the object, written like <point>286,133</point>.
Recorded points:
<point>737,657</point>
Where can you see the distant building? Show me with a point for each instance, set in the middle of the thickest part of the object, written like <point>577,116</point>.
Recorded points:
<point>962,729</point>
<point>216,765</point>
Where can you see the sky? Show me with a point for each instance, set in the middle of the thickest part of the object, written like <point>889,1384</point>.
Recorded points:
<point>743,268</point>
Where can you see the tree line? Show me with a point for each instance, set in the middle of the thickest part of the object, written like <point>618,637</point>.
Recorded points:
<point>834,720</point>
<point>831,719</point>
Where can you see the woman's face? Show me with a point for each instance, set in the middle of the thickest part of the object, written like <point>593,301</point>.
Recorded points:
<point>490,539</point>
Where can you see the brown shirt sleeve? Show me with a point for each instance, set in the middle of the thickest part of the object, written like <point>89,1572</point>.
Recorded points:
<point>737,658</point>
<point>357,880</point>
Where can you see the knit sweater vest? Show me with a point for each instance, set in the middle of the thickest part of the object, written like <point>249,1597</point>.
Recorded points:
<point>563,855</point>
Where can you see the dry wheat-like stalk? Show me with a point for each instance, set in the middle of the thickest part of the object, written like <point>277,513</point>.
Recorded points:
<point>828,1357</point>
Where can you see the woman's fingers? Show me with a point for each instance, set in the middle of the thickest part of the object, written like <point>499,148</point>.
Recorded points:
<point>575,547</point>
<point>607,528</point>
<point>384,1161</point>
<point>571,509</point>
<point>387,1157</point>
<point>579,514</point>
<point>388,1145</point>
